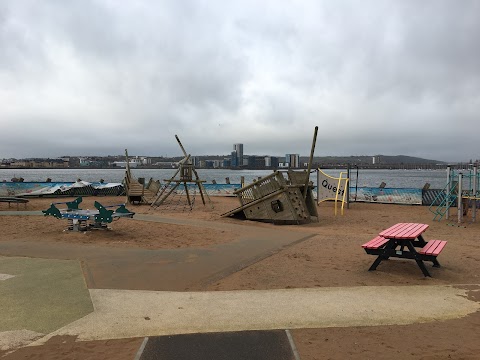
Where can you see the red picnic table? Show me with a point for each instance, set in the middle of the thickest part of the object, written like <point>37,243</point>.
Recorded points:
<point>401,241</point>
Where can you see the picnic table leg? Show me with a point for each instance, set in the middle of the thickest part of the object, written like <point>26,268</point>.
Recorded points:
<point>390,245</point>
<point>435,263</point>
<point>419,261</point>
<point>421,240</point>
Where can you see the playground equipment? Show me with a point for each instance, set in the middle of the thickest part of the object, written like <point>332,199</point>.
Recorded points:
<point>462,189</point>
<point>137,191</point>
<point>332,188</point>
<point>83,220</point>
<point>274,199</point>
<point>185,172</point>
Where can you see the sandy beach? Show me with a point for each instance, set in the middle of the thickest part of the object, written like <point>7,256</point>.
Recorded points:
<point>328,255</point>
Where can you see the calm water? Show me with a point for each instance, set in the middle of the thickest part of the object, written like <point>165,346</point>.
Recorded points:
<point>370,178</point>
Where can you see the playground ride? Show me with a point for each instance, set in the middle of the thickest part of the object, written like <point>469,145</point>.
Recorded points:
<point>137,192</point>
<point>182,186</point>
<point>330,188</point>
<point>274,199</point>
<point>462,190</point>
<point>83,220</point>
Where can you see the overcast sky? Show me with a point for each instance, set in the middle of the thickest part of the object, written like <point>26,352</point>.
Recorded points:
<point>92,77</point>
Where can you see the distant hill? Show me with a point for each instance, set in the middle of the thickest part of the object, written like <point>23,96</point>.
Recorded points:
<point>368,160</point>
<point>343,160</point>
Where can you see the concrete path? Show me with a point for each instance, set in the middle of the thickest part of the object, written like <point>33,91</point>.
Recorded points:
<point>126,314</point>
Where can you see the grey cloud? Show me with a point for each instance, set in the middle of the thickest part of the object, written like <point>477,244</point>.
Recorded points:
<point>377,77</point>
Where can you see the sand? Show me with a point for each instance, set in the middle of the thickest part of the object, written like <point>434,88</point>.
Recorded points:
<point>333,257</point>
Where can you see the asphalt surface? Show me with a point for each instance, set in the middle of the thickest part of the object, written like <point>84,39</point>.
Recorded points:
<point>251,345</point>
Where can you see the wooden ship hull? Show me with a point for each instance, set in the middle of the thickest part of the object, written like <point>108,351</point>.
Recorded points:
<point>277,200</point>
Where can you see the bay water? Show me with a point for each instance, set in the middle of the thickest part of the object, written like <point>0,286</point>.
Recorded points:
<point>364,178</point>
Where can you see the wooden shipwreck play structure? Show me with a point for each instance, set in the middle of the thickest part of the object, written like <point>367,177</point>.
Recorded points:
<point>277,199</point>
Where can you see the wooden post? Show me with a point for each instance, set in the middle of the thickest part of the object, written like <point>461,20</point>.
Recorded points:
<point>188,196</point>
<point>310,161</point>
<point>200,185</point>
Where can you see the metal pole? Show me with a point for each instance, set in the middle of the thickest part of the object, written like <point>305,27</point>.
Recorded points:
<point>347,186</point>
<point>356,184</point>
<point>447,194</point>
<point>307,180</point>
<point>475,187</point>
<point>459,199</point>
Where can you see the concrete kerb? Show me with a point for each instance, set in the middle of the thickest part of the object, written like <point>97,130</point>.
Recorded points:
<point>128,313</point>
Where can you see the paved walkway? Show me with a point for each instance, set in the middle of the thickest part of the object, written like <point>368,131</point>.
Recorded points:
<point>164,269</point>
<point>125,314</point>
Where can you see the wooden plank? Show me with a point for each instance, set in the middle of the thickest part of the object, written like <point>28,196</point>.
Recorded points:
<point>244,206</point>
<point>375,243</point>
<point>13,200</point>
<point>431,243</point>
<point>404,231</point>
<point>391,230</point>
<point>433,247</point>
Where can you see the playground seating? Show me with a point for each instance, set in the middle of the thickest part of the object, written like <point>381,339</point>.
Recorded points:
<point>401,241</point>
<point>14,200</point>
<point>375,243</point>
<point>82,220</point>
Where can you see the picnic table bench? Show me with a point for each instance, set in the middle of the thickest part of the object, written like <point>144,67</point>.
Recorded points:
<point>15,200</point>
<point>401,241</point>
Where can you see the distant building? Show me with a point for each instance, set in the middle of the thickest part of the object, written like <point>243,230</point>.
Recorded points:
<point>234,159</point>
<point>40,163</point>
<point>293,160</point>
<point>274,162</point>
<point>238,149</point>
<point>268,161</point>
<point>195,161</point>
<point>256,162</point>
<point>209,164</point>
<point>271,162</point>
